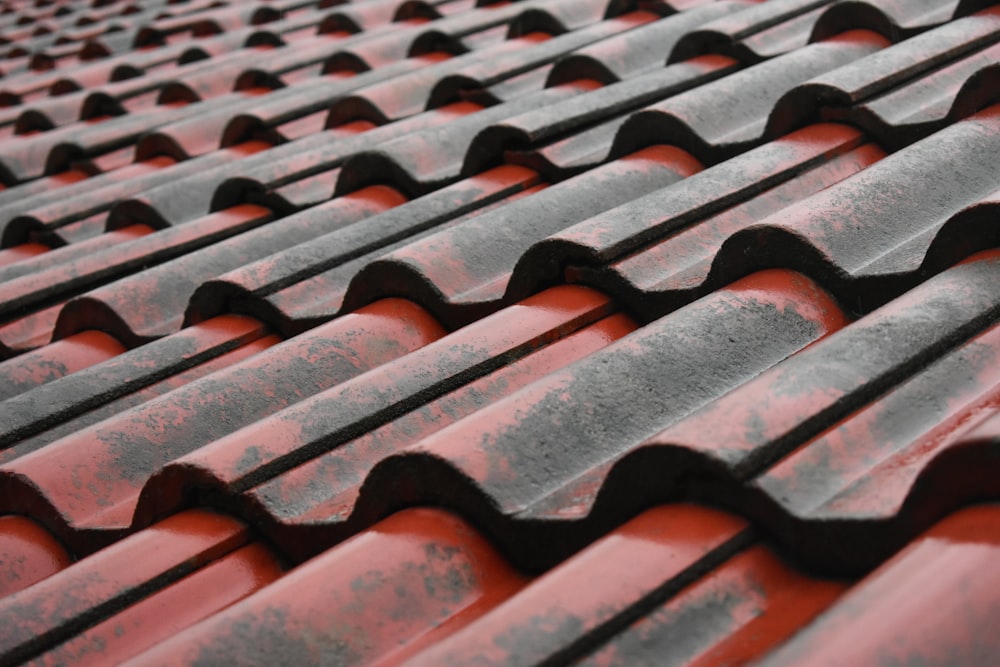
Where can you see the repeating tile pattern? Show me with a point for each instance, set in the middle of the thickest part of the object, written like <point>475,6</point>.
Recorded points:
<point>472,332</point>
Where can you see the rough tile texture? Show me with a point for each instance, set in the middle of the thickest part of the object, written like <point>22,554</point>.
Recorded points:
<point>467,332</point>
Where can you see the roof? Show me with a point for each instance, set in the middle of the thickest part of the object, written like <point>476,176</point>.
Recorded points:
<point>456,332</point>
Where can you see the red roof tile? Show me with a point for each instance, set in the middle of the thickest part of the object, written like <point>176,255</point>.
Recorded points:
<point>447,332</point>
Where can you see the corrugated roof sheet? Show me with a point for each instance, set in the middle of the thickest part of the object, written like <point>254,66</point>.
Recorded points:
<point>458,332</point>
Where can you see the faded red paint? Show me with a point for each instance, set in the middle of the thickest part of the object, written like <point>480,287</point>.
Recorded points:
<point>56,360</point>
<point>169,610</point>
<point>84,494</point>
<point>733,615</point>
<point>28,554</point>
<point>324,490</point>
<point>462,267</point>
<point>32,411</point>
<point>871,459</point>
<point>746,427</point>
<point>115,406</point>
<point>684,259</point>
<point>933,603</point>
<point>21,253</point>
<point>396,588</point>
<point>622,230</point>
<point>28,332</point>
<point>648,558</point>
<point>496,449</point>
<point>324,420</point>
<point>323,295</point>
<point>80,273</point>
<point>51,610</point>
